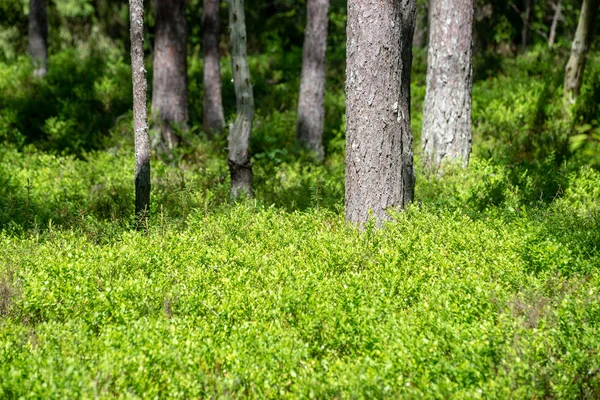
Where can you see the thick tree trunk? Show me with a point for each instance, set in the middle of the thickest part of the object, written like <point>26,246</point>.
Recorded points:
<point>526,23</point>
<point>552,36</point>
<point>379,158</point>
<point>311,102</point>
<point>447,108</point>
<point>169,86</point>
<point>213,116</point>
<point>38,36</point>
<point>239,133</point>
<point>140,113</point>
<point>579,50</point>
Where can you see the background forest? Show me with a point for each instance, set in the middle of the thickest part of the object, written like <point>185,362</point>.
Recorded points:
<point>486,286</point>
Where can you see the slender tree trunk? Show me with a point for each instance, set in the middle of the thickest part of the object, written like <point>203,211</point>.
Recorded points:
<point>552,36</point>
<point>420,36</point>
<point>169,86</point>
<point>213,116</point>
<point>379,158</point>
<point>311,102</point>
<point>239,133</point>
<point>140,113</point>
<point>526,23</point>
<point>579,50</point>
<point>447,108</point>
<point>38,36</point>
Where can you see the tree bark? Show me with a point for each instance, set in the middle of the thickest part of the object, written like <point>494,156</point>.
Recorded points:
<point>213,116</point>
<point>169,86</point>
<point>38,36</point>
<point>552,36</point>
<point>239,132</point>
<point>579,50</point>
<point>379,159</point>
<point>526,23</point>
<point>447,107</point>
<point>140,113</point>
<point>311,102</point>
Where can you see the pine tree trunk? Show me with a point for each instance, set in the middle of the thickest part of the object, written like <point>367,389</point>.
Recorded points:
<point>526,23</point>
<point>379,158</point>
<point>239,133</point>
<point>552,36</point>
<point>311,102</point>
<point>140,113</point>
<point>420,36</point>
<point>579,50</point>
<point>169,85</point>
<point>447,108</point>
<point>38,36</point>
<point>213,116</point>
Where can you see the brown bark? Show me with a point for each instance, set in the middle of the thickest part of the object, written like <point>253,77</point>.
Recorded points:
<point>311,102</point>
<point>379,159</point>
<point>239,132</point>
<point>38,36</point>
<point>213,116</point>
<point>552,36</point>
<point>140,113</point>
<point>447,107</point>
<point>579,50</point>
<point>169,85</point>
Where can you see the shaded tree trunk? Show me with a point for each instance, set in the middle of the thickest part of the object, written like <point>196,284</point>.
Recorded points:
<point>526,24</point>
<point>311,102</point>
<point>38,36</point>
<point>552,36</point>
<point>579,50</point>
<point>447,108</point>
<point>140,113</point>
<point>420,36</point>
<point>379,158</point>
<point>169,86</point>
<point>213,116</point>
<point>239,132</point>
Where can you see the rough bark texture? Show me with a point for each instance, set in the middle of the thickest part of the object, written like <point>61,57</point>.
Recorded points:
<point>552,36</point>
<point>379,159</point>
<point>239,132</point>
<point>447,108</point>
<point>213,117</point>
<point>311,102</point>
<point>579,50</point>
<point>169,86</point>
<point>140,113</point>
<point>38,36</point>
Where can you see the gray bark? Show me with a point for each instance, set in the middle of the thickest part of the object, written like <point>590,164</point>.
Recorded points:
<point>379,159</point>
<point>169,85</point>
<point>239,132</point>
<point>140,113</point>
<point>38,36</point>
<point>447,107</point>
<point>555,19</point>
<point>420,36</point>
<point>213,116</point>
<point>311,102</point>
<point>579,50</point>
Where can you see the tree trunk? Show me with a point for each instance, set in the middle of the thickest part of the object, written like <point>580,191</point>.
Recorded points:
<point>447,108</point>
<point>213,116</point>
<point>552,36</point>
<point>169,86</point>
<point>311,102</point>
<point>38,36</point>
<point>239,133</point>
<point>140,113</point>
<point>420,36</point>
<point>579,50</point>
<point>526,23</point>
<point>379,159</point>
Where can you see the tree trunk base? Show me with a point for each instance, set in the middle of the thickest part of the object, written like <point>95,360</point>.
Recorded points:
<point>241,179</point>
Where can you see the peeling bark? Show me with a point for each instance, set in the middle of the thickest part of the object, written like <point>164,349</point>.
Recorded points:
<point>38,36</point>
<point>213,116</point>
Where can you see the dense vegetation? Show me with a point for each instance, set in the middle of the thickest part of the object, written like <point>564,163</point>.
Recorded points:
<point>487,286</point>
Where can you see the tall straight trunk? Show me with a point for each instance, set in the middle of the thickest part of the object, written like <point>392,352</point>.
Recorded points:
<point>552,36</point>
<point>579,50</point>
<point>447,108</point>
<point>140,113</point>
<point>38,36</point>
<point>526,23</point>
<point>239,133</point>
<point>420,36</point>
<point>311,102</point>
<point>213,116</point>
<point>379,158</point>
<point>169,86</point>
